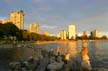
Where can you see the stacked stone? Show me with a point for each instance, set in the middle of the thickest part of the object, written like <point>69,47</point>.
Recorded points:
<point>44,60</point>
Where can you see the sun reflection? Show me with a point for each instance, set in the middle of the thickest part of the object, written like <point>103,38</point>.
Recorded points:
<point>96,49</point>
<point>68,47</point>
<point>72,49</point>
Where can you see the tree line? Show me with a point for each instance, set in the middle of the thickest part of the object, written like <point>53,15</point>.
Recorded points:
<point>10,31</point>
<point>91,38</point>
<point>37,37</point>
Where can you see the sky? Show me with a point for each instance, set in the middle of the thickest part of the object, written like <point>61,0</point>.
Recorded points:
<point>56,15</point>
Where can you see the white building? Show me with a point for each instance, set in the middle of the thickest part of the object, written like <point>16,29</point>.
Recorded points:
<point>63,34</point>
<point>95,33</point>
<point>34,28</point>
<point>71,32</point>
<point>17,18</point>
<point>85,33</point>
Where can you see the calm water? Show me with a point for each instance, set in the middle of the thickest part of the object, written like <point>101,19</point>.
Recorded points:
<point>98,53</point>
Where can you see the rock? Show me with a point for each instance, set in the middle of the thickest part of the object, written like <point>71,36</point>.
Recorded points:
<point>99,69</point>
<point>86,65</point>
<point>43,64</point>
<point>55,66</point>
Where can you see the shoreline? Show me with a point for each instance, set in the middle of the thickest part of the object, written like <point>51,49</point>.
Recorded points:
<point>64,41</point>
<point>48,42</point>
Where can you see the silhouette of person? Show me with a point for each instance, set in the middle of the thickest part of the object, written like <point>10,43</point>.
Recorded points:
<point>85,58</point>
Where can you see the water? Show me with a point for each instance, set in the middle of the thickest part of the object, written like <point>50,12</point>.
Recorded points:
<point>97,52</point>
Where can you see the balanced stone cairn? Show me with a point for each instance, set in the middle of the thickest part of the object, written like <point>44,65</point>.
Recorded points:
<point>44,60</point>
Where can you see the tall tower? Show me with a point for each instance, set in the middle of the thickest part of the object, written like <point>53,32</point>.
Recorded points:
<point>85,33</point>
<point>71,32</point>
<point>63,34</point>
<point>95,33</point>
<point>35,28</point>
<point>17,18</point>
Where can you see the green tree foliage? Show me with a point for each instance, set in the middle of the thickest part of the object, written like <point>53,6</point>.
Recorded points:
<point>9,29</point>
<point>1,30</point>
<point>37,37</point>
<point>104,37</point>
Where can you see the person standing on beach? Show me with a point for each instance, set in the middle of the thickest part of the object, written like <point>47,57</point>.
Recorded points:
<point>84,56</point>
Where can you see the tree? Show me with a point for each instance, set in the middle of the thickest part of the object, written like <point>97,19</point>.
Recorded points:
<point>1,30</point>
<point>9,29</point>
<point>104,37</point>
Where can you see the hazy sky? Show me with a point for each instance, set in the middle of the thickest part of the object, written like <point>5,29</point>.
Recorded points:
<point>55,15</point>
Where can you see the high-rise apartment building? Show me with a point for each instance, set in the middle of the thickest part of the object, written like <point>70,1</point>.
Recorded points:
<point>71,32</point>
<point>63,34</point>
<point>17,18</point>
<point>85,33</point>
<point>35,28</point>
<point>95,33</point>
